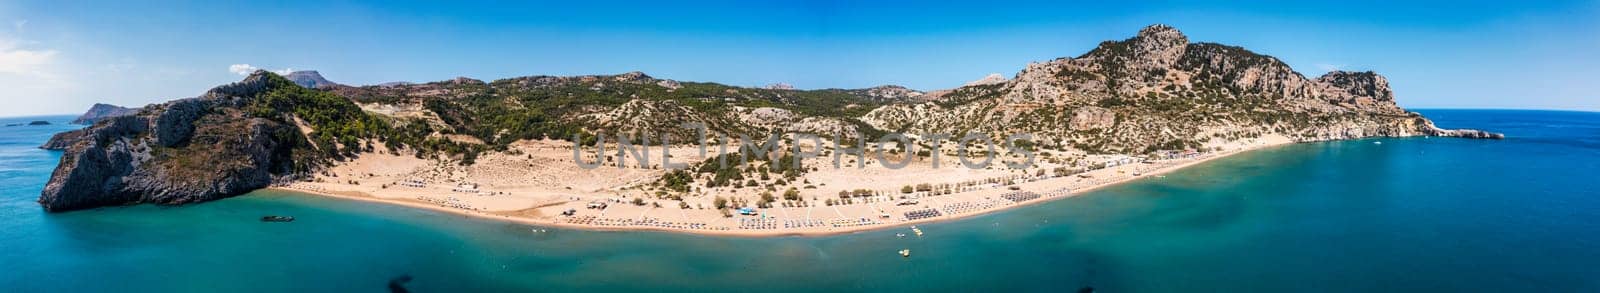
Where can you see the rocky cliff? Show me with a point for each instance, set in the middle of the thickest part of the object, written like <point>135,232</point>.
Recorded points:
<point>220,144</point>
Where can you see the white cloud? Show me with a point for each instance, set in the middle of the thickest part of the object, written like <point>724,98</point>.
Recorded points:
<point>32,79</point>
<point>247,69</point>
<point>242,69</point>
<point>21,61</point>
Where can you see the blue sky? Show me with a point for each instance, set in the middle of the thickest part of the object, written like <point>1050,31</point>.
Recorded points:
<point>58,57</point>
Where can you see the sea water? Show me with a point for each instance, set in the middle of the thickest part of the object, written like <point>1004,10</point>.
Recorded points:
<point>1406,214</point>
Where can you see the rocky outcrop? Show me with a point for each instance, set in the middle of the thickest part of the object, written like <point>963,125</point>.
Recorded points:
<point>1465,133</point>
<point>890,93</point>
<point>1088,118</point>
<point>102,111</point>
<point>184,151</point>
<point>60,141</point>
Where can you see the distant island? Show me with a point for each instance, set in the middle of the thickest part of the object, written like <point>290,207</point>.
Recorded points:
<point>102,111</point>
<point>33,123</point>
<point>508,148</point>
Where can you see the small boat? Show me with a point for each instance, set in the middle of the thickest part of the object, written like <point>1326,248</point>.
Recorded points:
<point>905,253</point>
<point>1377,142</point>
<point>900,235</point>
<point>277,219</point>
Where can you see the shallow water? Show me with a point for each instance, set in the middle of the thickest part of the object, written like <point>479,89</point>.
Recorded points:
<point>1412,214</point>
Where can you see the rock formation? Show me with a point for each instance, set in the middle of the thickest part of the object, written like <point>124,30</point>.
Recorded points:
<point>184,151</point>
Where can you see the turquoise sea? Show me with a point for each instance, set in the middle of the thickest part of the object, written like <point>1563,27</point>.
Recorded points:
<point>1411,214</point>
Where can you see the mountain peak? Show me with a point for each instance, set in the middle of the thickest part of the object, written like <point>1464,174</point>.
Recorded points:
<point>308,79</point>
<point>992,78</point>
<point>635,76</point>
<point>1160,30</point>
<point>1161,44</point>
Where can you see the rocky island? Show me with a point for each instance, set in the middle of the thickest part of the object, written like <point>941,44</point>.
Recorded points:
<point>1130,108</point>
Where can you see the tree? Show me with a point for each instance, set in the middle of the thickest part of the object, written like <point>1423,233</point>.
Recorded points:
<point>791,194</point>
<point>678,180</point>
<point>906,189</point>
<point>720,203</point>
<point>766,200</point>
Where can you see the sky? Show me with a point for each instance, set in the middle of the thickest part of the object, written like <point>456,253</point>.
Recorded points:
<point>59,57</point>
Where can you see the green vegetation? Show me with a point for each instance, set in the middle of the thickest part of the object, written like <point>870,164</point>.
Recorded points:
<point>504,111</point>
<point>341,129</point>
<point>677,180</point>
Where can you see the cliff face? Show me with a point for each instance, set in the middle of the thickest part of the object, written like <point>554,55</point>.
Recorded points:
<point>184,151</point>
<point>102,111</point>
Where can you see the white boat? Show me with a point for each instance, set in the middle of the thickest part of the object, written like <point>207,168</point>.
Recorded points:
<point>905,253</point>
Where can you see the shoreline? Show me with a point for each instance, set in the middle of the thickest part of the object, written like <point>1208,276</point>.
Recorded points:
<point>760,233</point>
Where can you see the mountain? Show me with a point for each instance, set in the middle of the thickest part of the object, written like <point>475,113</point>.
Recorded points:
<point>309,79</point>
<point>1153,92</point>
<point>1157,90</point>
<point>102,111</point>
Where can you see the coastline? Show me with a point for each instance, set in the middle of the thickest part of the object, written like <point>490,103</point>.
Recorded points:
<point>557,222</point>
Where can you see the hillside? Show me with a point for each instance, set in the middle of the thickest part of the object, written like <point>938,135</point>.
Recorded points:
<point>1159,91</point>
<point>503,111</point>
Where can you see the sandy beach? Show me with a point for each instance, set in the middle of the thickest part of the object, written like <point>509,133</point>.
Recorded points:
<point>536,185</point>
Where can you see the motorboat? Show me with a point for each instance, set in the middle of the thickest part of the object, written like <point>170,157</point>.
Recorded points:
<point>277,219</point>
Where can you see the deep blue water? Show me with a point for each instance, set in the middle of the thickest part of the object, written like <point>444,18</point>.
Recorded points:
<point>1412,214</point>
